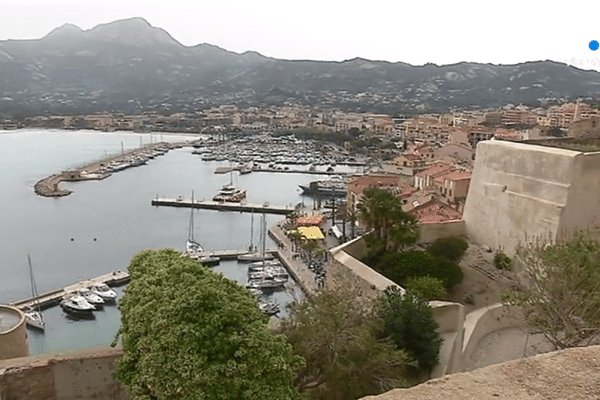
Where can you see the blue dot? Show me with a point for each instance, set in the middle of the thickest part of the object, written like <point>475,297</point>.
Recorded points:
<point>594,45</point>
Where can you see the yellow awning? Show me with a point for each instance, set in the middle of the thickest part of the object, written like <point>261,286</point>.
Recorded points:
<point>311,232</point>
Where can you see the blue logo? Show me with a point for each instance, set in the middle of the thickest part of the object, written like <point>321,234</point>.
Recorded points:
<point>594,45</point>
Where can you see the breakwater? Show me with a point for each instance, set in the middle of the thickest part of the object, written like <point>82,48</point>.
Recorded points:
<point>101,169</point>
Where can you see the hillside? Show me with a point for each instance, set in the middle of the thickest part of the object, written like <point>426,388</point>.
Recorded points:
<point>131,66</point>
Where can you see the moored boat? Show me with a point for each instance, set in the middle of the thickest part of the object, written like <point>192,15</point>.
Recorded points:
<point>102,290</point>
<point>76,305</point>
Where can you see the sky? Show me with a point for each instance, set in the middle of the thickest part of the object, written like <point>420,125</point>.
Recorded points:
<point>424,31</point>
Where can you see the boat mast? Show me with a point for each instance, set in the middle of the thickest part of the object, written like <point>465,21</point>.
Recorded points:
<point>191,227</point>
<point>34,292</point>
<point>264,238</point>
<point>252,230</point>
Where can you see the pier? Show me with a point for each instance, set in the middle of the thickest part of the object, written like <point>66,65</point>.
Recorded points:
<point>52,298</point>
<point>225,206</point>
<point>95,170</point>
<point>228,254</point>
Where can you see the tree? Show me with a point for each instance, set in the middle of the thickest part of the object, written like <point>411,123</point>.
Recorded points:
<point>190,333</point>
<point>560,295</point>
<point>382,211</point>
<point>337,334</point>
<point>408,322</point>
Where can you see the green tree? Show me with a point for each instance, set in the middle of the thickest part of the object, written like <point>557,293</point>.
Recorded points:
<point>560,295</point>
<point>337,334</point>
<point>426,287</point>
<point>453,248</point>
<point>190,333</point>
<point>382,211</point>
<point>408,322</point>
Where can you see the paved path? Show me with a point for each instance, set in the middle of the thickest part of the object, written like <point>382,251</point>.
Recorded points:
<point>299,270</point>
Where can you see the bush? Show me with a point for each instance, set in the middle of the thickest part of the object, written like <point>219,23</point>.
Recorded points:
<point>408,322</point>
<point>400,266</point>
<point>426,287</point>
<point>502,261</point>
<point>453,248</point>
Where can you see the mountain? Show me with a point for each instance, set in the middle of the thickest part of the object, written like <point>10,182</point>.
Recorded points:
<point>131,66</point>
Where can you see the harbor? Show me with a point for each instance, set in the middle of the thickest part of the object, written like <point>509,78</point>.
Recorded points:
<point>225,206</point>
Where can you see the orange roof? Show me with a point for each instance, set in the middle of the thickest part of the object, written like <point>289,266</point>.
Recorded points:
<point>435,211</point>
<point>457,175</point>
<point>358,185</point>
<point>311,221</point>
<point>435,170</point>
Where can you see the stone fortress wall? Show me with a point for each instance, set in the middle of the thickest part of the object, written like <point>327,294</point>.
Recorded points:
<point>520,192</point>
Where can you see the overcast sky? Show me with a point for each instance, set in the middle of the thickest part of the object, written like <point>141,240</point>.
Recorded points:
<point>441,32</point>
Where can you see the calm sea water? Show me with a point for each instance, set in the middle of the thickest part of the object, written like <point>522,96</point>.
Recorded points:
<point>117,213</point>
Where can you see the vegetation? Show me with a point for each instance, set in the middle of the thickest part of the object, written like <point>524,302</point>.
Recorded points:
<point>408,322</point>
<point>502,261</point>
<point>401,266</point>
<point>561,295</point>
<point>338,336</point>
<point>452,248</point>
<point>381,211</point>
<point>190,333</point>
<point>426,287</point>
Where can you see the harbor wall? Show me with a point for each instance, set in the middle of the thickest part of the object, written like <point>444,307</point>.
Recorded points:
<point>82,374</point>
<point>13,337</point>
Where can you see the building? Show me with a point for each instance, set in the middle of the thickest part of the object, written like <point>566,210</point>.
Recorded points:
<point>424,179</point>
<point>537,189</point>
<point>358,185</point>
<point>13,333</point>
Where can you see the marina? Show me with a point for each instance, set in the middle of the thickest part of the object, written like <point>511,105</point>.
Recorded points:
<point>225,206</point>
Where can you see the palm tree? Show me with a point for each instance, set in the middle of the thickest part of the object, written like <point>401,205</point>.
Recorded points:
<point>381,211</point>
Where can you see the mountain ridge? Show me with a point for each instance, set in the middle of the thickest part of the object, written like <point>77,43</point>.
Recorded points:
<point>131,66</point>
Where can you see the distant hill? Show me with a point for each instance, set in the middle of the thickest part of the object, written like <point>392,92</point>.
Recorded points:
<point>131,66</point>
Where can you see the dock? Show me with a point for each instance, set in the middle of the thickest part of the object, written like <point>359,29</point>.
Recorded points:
<point>228,254</point>
<point>50,299</point>
<point>225,206</point>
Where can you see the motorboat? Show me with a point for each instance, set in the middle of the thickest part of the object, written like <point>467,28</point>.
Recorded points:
<point>75,304</point>
<point>266,283</point>
<point>209,260</point>
<point>92,298</point>
<point>268,307</point>
<point>254,257</point>
<point>230,193</point>
<point>258,265</point>
<point>102,290</point>
<point>325,188</point>
<point>268,274</point>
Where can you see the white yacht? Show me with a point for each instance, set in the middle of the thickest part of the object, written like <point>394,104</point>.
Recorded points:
<point>102,290</point>
<point>75,304</point>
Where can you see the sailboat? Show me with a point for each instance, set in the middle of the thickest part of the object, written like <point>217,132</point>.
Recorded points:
<point>193,247</point>
<point>262,255</point>
<point>33,316</point>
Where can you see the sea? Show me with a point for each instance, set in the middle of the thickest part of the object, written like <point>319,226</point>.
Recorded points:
<point>103,224</point>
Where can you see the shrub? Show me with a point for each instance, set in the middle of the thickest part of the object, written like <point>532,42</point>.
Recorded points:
<point>502,261</point>
<point>414,263</point>
<point>408,322</point>
<point>453,248</point>
<point>426,287</point>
